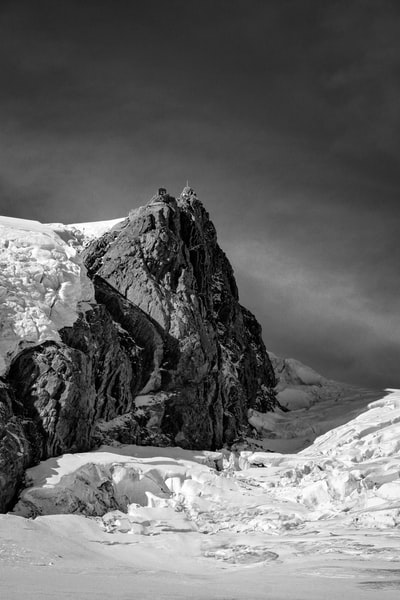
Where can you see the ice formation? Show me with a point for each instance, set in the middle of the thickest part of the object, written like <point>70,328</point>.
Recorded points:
<point>42,281</point>
<point>350,474</point>
<point>320,523</point>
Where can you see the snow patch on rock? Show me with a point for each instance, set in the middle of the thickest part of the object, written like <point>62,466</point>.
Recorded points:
<point>94,229</point>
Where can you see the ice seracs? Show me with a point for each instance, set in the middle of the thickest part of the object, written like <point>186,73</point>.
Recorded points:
<point>350,475</point>
<point>42,280</point>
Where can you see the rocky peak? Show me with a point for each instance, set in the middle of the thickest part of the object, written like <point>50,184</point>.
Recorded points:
<point>165,259</point>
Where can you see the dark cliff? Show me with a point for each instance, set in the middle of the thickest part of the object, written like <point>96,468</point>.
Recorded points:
<point>165,259</point>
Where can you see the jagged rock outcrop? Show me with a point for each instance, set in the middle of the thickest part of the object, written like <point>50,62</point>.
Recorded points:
<point>165,355</point>
<point>66,390</point>
<point>165,259</point>
<point>70,396</point>
<point>16,453</point>
<point>63,388</point>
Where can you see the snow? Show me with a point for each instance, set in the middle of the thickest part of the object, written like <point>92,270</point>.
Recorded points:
<point>349,469</point>
<point>134,474</point>
<point>321,523</point>
<point>71,557</point>
<point>292,371</point>
<point>310,417</point>
<point>316,405</point>
<point>42,281</point>
<point>95,229</point>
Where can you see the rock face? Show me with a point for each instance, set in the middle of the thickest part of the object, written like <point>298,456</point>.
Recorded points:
<point>165,259</point>
<point>16,453</point>
<point>70,396</point>
<point>165,355</point>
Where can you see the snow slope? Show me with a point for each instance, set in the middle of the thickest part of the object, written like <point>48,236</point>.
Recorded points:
<point>41,282</point>
<point>348,470</point>
<point>71,557</point>
<point>322,523</point>
<point>316,405</point>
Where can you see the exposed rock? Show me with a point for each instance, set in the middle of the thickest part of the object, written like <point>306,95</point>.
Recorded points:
<point>64,389</point>
<point>158,350</point>
<point>15,451</point>
<point>73,395</point>
<point>165,259</point>
<point>92,490</point>
<point>121,430</point>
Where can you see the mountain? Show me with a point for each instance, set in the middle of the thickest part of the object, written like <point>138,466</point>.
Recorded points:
<point>165,260</point>
<point>154,442</point>
<point>312,403</point>
<point>145,341</point>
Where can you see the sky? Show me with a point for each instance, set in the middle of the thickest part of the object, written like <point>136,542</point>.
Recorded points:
<point>282,114</point>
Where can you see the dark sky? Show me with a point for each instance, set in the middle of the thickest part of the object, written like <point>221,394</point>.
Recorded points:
<point>283,114</point>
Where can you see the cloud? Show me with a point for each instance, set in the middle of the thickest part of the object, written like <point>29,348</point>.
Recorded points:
<point>317,317</point>
<point>283,116</point>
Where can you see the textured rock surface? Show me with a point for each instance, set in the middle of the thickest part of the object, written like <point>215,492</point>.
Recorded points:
<point>165,260</point>
<point>67,388</point>
<point>16,453</point>
<point>72,395</point>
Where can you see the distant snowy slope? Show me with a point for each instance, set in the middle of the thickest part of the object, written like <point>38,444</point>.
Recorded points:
<point>316,405</point>
<point>41,282</point>
<point>292,372</point>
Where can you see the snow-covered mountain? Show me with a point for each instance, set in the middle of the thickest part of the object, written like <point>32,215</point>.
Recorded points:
<point>164,449</point>
<point>315,404</point>
<point>154,348</point>
<point>193,524</point>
